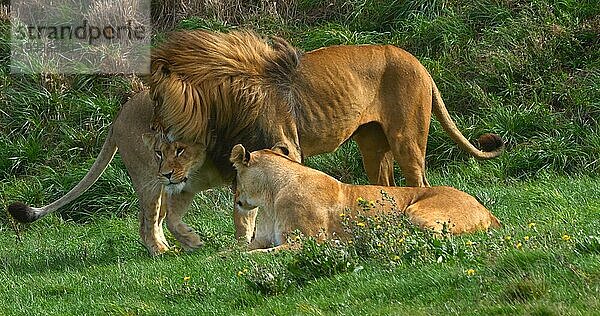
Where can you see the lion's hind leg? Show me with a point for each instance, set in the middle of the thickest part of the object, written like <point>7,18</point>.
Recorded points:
<point>377,157</point>
<point>426,217</point>
<point>409,152</point>
<point>405,120</point>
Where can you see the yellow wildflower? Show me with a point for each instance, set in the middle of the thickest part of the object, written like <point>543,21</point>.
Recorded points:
<point>526,238</point>
<point>242,272</point>
<point>349,241</point>
<point>342,214</point>
<point>507,238</point>
<point>401,240</point>
<point>470,272</point>
<point>187,278</point>
<point>360,200</point>
<point>566,237</point>
<point>531,225</point>
<point>361,224</point>
<point>396,258</point>
<point>519,245</point>
<point>469,243</point>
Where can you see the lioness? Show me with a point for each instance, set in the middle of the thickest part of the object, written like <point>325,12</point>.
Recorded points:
<point>125,134</point>
<point>221,89</point>
<point>292,196</point>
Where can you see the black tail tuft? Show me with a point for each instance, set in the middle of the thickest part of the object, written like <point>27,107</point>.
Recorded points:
<point>23,213</point>
<point>490,142</point>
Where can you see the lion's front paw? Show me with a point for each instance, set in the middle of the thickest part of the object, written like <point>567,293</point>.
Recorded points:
<point>154,241</point>
<point>190,241</point>
<point>157,248</point>
<point>267,250</point>
<point>185,235</point>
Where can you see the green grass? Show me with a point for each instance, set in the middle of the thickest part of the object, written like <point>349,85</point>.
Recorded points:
<point>60,267</point>
<point>529,71</point>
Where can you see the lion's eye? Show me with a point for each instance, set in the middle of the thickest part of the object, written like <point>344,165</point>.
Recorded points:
<point>179,151</point>
<point>158,154</point>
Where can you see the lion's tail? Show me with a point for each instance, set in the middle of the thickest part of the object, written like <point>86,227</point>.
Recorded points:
<point>27,214</point>
<point>492,144</point>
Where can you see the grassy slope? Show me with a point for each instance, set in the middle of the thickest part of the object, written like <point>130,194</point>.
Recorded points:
<point>530,72</point>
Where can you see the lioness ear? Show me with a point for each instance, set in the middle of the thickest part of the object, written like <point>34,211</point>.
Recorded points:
<point>149,140</point>
<point>239,155</point>
<point>281,148</point>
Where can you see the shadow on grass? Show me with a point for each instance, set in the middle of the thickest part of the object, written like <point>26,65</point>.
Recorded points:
<point>72,254</point>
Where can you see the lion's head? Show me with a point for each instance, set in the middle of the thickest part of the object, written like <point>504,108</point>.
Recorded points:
<point>176,160</point>
<point>213,88</point>
<point>253,166</point>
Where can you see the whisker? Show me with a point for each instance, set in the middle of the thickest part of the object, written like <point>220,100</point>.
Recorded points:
<point>152,185</point>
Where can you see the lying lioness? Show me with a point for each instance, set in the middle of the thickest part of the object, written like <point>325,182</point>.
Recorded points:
<point>293,196</point>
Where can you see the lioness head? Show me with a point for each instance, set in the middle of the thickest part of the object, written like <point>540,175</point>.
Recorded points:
<point>176,160</point>
<point>250,190</point>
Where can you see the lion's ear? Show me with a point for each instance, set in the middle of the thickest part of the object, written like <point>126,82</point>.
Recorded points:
<point>161,66</point>
<point>281,148</point>
<point>149,140</point>
<point>239,155</point>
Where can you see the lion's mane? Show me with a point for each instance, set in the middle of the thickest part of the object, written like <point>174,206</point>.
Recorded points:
<point>211,87</point>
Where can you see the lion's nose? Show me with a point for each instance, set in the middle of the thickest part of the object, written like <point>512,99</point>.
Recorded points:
<point>168,175</point>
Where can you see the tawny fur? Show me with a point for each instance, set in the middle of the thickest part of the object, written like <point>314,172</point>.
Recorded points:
<point>292,196</point>
<point>125,134</point>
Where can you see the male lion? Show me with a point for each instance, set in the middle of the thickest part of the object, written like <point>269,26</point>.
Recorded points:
<point>221,89</point>
<point>215,88</point>
<point>125,133</point>
<point>292,196</point>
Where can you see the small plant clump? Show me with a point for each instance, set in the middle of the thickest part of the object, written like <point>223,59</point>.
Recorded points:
<point>311,259</point>
<point>269,278</point>
<point>391,237</point>
<point>316,259</point>
<point>189,288</point>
